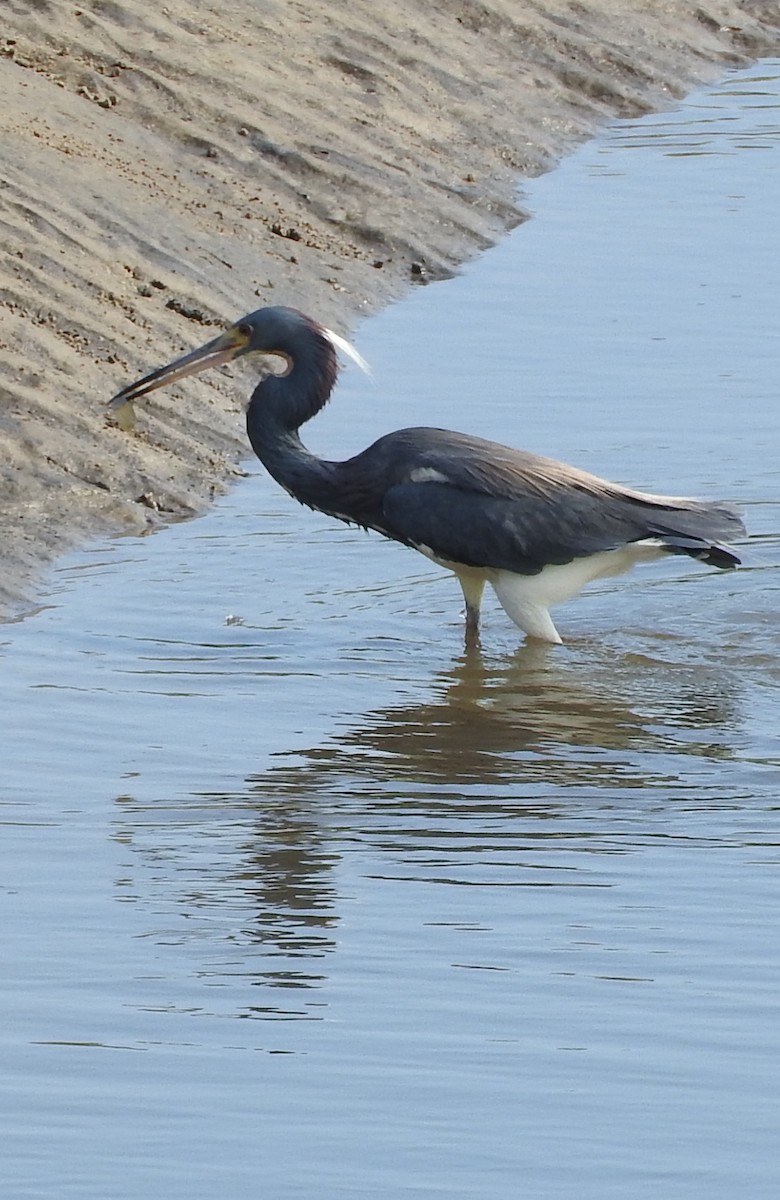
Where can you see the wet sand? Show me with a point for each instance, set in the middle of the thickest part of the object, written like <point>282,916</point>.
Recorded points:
<point>167,169</point>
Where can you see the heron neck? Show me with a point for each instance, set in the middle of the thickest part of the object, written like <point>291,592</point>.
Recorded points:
<point>285,402</point>
<point>308,478</point>
<point>278,408</point>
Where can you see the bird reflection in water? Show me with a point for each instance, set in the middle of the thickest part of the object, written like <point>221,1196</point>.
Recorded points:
<point>530,724</point>
<point>265,895</point>
<point>510,768</point>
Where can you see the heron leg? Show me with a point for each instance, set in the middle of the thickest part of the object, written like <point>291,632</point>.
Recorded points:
<point>473,585</point>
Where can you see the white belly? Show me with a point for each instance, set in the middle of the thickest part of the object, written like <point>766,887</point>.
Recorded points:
<point>527,598</point>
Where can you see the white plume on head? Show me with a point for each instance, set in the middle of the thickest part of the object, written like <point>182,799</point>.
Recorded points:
<point>347,349</point>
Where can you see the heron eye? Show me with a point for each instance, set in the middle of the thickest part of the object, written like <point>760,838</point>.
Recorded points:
<point>245,331</point>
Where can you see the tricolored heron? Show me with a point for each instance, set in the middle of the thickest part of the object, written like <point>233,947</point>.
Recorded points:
<point>535,529</point>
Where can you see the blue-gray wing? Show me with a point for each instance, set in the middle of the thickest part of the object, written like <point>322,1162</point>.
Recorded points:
<point>474,502</point>
<point>524,536</point>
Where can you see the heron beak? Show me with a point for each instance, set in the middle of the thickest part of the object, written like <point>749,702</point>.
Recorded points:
<point>214,354</point>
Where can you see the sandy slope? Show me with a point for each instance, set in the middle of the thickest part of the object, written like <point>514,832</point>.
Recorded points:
<point>166,168</point>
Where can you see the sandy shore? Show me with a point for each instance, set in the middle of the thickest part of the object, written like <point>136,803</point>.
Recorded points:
<point>167,168</point>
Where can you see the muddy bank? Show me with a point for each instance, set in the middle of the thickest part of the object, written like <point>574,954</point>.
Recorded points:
<point>166,169</point>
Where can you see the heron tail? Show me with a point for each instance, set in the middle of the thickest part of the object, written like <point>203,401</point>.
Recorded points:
<point>713,554</point>
<point>700,530</point>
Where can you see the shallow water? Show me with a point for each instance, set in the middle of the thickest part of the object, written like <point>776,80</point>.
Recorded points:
<point>298,899</point>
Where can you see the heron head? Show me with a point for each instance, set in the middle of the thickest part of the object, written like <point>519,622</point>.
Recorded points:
<point>282,332</point>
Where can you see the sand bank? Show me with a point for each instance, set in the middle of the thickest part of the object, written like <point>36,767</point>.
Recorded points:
<point>167,168</point>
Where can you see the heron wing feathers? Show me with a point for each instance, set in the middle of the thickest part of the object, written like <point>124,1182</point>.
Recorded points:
<point>482,504</point>
<point>476,464</point>
<point>479,530</point>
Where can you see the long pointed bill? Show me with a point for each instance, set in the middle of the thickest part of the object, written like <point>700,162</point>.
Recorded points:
<point>221,350</point>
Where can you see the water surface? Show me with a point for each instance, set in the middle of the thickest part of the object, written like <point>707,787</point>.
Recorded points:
<point>300,900</point>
